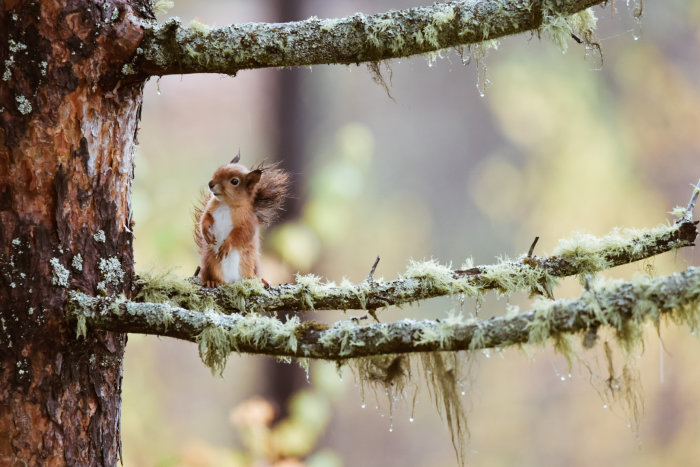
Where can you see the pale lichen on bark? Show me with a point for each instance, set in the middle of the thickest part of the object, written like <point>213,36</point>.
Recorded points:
<point>621,305</point>
<point>171,48</point>
<point>582,254</point>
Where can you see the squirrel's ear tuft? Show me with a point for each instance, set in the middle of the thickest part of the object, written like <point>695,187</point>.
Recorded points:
<point>252,178</point>
<point>236,159</point>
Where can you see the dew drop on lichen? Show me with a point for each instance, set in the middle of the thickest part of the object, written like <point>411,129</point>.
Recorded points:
<point>411,419</point>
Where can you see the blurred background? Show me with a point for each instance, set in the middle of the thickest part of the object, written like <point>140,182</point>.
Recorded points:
<point>558,143</point>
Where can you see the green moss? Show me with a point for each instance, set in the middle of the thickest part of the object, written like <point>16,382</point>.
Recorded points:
<point>251,331</point>
<point>509,276</point>
<point>624,387</point>
<point>443,331</point>
<point>200,28</point>
<point>539,328</point>
<point>563,345</point>
<point>443,374</point>
<point>478,338</point>
<point>166,288</point>
<point>236,293</point>
<point>679,211</point>
<point>161,7</point>
<point>309,288</point>
<point>589,253</point>
<point>560,28</point>
<point>80,326</point>
<point>444,16</point>
<point>214,348</point>
<point>342,335</point>
<point>307,326</point>
<point>433,275</point>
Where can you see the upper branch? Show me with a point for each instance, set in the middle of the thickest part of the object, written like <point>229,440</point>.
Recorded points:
<point>173,49</point>
<point>581,255</point>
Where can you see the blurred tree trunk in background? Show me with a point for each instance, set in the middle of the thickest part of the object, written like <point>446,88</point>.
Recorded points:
<point>67,138</point>
<point>291,134</point>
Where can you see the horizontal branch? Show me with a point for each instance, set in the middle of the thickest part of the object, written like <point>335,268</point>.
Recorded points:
<point>621,305</point>
<point>171,48</point>
<point>583,254</point>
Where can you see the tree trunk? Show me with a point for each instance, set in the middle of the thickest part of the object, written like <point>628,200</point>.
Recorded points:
<point>67,137</point>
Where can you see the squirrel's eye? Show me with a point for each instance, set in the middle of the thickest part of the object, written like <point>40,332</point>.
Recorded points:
<point>234,181</point>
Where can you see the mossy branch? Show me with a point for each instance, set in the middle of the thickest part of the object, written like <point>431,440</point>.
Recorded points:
<point>171,48</point>
<point>623,306</point>
<point>580,255</point>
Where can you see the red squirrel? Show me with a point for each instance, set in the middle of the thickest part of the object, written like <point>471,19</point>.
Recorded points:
<point>227,222</point>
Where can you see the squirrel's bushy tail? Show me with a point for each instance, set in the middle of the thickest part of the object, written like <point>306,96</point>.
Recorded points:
<point>197,216</point>
<point>273,189</point>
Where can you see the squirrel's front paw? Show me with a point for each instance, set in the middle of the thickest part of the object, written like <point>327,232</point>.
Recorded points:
<point>209,237</point>
<point>212,283</point>
<point>221,253</point>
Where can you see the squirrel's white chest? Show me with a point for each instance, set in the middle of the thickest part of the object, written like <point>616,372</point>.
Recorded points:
<point>222,227</point>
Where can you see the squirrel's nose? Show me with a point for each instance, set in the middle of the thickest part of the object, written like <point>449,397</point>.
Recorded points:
<point>211,184</point>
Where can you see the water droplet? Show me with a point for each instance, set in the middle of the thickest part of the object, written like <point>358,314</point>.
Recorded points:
<point>363,405</point>
<point>570,375</point>
<point>410,419</point>
<point>636,37</point>
<point>464,393</point>
<point>391,428</point>
<point>605,406</point>
<point>563,378</point>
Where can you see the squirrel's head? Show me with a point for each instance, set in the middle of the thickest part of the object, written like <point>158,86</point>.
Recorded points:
<point>234,184</point>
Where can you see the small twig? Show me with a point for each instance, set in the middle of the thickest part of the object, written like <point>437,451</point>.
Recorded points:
<point>691,205</point>
<point>370,276</point>
<point>576,38</point>
<point>196,271</point>
<point>356,319</point>
<point>532,247</point>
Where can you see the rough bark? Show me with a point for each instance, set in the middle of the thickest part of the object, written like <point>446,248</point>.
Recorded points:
<point>173,49</point>
<point>67,135</point>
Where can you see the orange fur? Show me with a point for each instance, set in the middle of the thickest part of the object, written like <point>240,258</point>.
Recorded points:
<point>256,197</point>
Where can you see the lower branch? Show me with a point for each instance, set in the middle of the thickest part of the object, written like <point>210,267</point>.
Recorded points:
<point>621,305</point>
